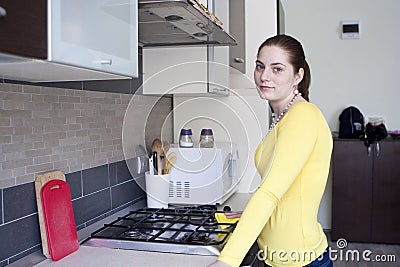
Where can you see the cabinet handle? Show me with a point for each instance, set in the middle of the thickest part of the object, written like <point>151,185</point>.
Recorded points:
<point>3,12</point>
<point>106,61</point>
<point>238,60</point>
<point>369,151</point>
<point>377,149</point>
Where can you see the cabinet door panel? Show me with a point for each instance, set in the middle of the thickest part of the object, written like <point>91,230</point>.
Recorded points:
<point>237,28</point>
<point>94,34</point>
<point>23,28</point>
<point>352,191</point>
<point>386,190</point>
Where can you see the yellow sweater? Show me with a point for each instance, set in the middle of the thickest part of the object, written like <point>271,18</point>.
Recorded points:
<point>293,161</point>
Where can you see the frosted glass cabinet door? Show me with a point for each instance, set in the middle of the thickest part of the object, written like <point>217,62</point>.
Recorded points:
<point>95,34</point>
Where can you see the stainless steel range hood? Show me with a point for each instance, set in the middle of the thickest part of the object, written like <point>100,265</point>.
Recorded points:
<point>179,22</point>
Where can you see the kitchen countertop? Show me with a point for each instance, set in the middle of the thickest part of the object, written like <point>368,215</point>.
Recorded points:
<point>95,256</point>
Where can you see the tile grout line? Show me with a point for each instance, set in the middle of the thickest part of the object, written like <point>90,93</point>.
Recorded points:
<point>81,179</point>
<point>109,184</point>
<point>23,251</point>
<point>20,218</point>
<point>2,207</point>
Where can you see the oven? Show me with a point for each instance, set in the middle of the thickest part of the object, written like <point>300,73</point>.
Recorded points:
<point>186,230</point>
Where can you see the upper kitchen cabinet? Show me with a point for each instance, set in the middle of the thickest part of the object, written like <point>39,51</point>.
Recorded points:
<point>197,61</point>
<point>66,40</point>
<point>251,23</point>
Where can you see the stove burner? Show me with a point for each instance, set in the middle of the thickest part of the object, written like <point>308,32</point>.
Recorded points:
<point>196,237</point>
<point>138,233</point>
<point>155,217</point>
<point>211,221</point>
<point>132,233</point>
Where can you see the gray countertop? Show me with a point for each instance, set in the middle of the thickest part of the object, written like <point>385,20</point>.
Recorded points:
<point>94,256</point>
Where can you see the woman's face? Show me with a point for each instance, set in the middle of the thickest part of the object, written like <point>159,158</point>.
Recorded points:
<point>274,75</point>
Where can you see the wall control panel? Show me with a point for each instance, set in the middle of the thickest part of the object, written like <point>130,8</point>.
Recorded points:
<point>350,30</point>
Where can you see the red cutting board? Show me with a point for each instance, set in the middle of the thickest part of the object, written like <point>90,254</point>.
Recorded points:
<point>62,237</point>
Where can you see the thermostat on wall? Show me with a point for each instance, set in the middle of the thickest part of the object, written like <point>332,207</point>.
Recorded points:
<point>350,30</point>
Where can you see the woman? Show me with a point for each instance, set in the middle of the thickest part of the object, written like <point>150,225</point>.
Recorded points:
<point>293,161</point>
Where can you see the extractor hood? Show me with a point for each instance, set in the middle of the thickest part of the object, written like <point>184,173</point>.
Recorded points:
<point>179,22</point>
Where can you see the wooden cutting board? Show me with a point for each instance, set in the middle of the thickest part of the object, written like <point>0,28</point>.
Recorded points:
<point>62,238</point>
<point>40,181</point>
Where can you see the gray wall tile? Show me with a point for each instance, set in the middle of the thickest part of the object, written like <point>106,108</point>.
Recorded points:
<point>124,193</point>
<point>75,183</point>
<point>19,201</point>
<point>112,172</point>
<point>123,173</point>
<point>25,253</point>
<point>19,236</point>
<point>95,179</point>
<point>1,206</point>
<point>92,206</point>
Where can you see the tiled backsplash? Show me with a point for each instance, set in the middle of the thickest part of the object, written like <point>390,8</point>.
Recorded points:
<point>45,128</point>
<point>80,133</point>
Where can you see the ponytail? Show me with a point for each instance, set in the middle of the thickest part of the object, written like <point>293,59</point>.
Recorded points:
<point>304,85</point>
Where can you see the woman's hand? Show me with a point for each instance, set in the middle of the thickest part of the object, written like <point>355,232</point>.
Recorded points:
<point>219,264</point>
<point>233,214</point>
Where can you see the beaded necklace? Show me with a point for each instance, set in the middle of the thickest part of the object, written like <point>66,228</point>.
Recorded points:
<point>276,120</point>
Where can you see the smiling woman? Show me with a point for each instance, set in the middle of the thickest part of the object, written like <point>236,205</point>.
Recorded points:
<point>293,161</point>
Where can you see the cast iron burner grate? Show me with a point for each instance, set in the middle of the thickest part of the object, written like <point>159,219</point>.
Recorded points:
<point>186,225</point>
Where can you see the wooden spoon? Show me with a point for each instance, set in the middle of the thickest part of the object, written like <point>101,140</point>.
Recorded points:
<point>171,159</point>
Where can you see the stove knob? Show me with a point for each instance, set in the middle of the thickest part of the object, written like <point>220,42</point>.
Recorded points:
<point>227,208</point>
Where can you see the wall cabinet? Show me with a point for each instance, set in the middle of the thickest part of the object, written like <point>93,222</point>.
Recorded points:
<point>57,40</point>
<point>259,22</point>
<point>366,185</point>
<point>237,26</point>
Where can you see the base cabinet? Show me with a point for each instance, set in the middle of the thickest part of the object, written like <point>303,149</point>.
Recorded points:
<point>366,186</point>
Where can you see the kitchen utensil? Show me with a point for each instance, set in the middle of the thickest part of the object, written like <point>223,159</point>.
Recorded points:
<point>185,138</point>
<point>155,166</point>
<point>171,159</point>
<point>151,166</point>
<point>40,181</point>
<point>157,147</point>
<point>165,148</point>
<point>163,160</point>
<point>61,232</point>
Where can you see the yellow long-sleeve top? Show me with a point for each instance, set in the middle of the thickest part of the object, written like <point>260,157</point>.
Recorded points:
<point>293,161</point>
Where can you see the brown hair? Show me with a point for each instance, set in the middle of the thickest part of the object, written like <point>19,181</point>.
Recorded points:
<point>296,58</point>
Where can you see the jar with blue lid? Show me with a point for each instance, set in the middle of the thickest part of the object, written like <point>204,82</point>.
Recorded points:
<point>206,138</point>
<point>185,138</point>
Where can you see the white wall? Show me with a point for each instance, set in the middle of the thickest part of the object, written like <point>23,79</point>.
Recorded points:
<point>344,72</point>
<point>349,72</point>
<point>241,118</point>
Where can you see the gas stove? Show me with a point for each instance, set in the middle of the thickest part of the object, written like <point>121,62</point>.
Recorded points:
<point>188,230</point>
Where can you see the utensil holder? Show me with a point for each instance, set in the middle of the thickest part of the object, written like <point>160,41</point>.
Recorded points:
<point>157,190</point>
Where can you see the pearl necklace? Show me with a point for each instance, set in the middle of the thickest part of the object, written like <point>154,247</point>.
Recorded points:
<point>276,120</point>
